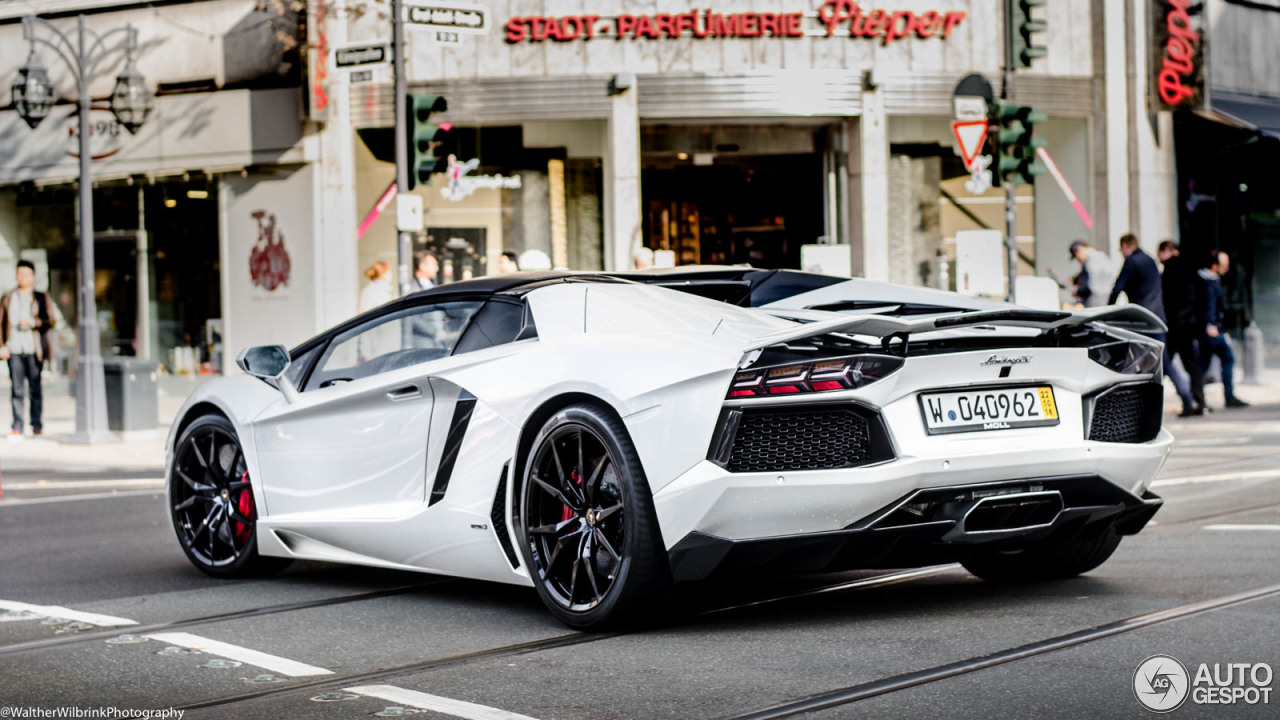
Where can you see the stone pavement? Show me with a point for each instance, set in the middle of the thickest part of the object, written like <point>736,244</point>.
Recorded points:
<point>141,454</point>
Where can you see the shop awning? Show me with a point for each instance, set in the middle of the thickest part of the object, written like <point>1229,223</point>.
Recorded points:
<point>1253,112</point>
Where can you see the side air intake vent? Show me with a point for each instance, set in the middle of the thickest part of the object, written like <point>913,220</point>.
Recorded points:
<point>499,517</point>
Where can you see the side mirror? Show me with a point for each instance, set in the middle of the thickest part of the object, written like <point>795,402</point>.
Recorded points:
<point>264,361</point>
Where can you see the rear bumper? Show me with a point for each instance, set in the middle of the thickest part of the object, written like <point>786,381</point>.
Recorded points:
<point>929,526</point>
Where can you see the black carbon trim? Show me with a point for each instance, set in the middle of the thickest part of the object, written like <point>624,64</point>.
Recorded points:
<point>498,514</point>
<point>452,444</point>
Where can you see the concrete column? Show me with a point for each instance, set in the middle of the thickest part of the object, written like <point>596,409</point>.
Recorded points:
<point>334,211</point>
<point>622,202</point>
<point>1115,77</point>
<point>871,192</point>
<point>1152,171</point>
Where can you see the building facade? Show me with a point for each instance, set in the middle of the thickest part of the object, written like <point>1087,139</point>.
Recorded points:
<point>743,132</point>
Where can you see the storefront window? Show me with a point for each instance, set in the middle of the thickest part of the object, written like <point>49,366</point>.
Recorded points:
<point>156,275</point>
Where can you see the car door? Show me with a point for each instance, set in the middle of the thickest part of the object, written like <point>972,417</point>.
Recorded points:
<point>355,441</point>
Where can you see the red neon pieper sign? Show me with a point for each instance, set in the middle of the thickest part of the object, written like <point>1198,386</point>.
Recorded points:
<point>835,16</point>
<point>1178,60</point>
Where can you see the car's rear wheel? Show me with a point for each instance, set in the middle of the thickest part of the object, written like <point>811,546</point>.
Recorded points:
<point>589,533</point>
<point>211,499</point>
<point>1050,561</point>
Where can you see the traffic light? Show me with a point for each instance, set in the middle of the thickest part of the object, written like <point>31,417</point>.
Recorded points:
<point>429,143</point>
<point>1016,142</point>
<point>1022,29</point>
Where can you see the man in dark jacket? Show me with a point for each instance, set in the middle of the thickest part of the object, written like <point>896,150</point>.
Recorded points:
<point>1139,279</point>
<point>1214,341</point>
<point>1182,309</point>
<point>25,320</point>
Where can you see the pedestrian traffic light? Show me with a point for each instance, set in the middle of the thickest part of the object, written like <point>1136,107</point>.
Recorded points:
<point>1022,30</point>
<point>1016,142</point>
<point>429,142</point>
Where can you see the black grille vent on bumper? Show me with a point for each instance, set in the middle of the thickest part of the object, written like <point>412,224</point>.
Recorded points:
<point>1127,414</point>
<point>820,437</point>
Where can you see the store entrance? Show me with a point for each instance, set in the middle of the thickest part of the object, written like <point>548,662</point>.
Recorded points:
<point>733,194</point>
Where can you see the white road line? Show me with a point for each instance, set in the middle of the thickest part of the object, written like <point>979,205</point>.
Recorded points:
<point>284,666</point>
<point>57,611</point>
<point>1275,528</point>
<point>73,498</point>
<point>84,484</point>
<point>1223,477</point>
<point>435,703</point>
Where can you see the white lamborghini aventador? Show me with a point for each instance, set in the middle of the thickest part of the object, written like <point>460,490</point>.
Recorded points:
<point>600,438</point>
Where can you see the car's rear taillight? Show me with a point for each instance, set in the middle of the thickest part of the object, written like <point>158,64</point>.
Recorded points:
<point>810,377</point>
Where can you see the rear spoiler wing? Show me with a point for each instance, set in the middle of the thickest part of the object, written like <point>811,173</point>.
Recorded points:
<point>1133,318</point>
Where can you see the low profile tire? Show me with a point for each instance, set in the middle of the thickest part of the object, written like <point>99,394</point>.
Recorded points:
<point>211,501</point>
<point>1054,561</point>
<point>589,534</point>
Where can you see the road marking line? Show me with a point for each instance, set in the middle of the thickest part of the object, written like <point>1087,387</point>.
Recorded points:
<point>1224,477</point>
<point>435,703</point>
<point>1242,527</point>
<point>4,618</point>
<point>57,611</point>
<point>84,484</point>
<point>284,666</point>
<point>74,498</point>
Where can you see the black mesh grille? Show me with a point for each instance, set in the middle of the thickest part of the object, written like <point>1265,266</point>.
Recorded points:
<point>800,439</point>
<point>499,516</point>
<point>1120,416</point>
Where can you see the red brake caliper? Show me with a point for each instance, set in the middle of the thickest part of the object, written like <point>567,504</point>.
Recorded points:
<point>567,512</point>
<point>244,506</point>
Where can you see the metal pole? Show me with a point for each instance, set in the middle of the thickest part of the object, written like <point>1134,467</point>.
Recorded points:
<point>1010,189</point>
<point>402,140</point>
<point>91,394</point>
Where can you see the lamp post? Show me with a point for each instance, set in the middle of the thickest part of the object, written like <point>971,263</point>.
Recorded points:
<point>131,102</point>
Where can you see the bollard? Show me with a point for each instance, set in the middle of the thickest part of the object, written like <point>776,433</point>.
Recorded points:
<point>1254,355</point>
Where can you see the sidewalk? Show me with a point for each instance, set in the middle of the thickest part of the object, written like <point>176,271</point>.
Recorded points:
<point>142,453</point>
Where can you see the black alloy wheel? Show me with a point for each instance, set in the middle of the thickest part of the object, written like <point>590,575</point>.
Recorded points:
<point>211,499</point>
<point>589,533</point>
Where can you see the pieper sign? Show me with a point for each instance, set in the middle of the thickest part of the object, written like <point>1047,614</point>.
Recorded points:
<point>1177,62</point>
<point>833,17</point>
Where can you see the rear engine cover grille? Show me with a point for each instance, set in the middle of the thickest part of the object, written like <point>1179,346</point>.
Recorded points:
<point>801,439</point>
<point>1126,415</point>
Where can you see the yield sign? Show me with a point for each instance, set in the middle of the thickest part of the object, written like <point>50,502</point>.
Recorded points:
<point>970,136</point>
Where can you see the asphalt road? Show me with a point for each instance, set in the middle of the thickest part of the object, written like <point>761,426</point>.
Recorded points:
<point>1202,584</point>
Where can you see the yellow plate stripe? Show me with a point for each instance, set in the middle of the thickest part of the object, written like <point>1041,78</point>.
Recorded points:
<point>1047,406</point>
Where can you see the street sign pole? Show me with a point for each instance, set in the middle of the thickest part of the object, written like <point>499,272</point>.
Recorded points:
<point>1010,188</point>
<point>401,133</point>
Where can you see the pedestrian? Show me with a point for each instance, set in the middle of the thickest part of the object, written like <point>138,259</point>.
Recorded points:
<point>1139,280</point>
<point>1214,340</point>
<point>379,289</point>
<point>642,258</point>
<point>1096,274</point>
<point>425,269</point>
<point>25,320</point>
<point>1181,289</point>
<point>508,263</point>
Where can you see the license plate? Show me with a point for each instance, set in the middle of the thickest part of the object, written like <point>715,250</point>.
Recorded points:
<point>979,410</point>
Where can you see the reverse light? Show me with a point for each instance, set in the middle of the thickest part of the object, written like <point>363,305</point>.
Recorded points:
<point>821,376</point>
<point>1128,357</point>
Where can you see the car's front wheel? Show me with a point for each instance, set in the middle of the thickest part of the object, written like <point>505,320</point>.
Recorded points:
<point>589,533</point>
<point>211,500</point>
<point>1050,561</point>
